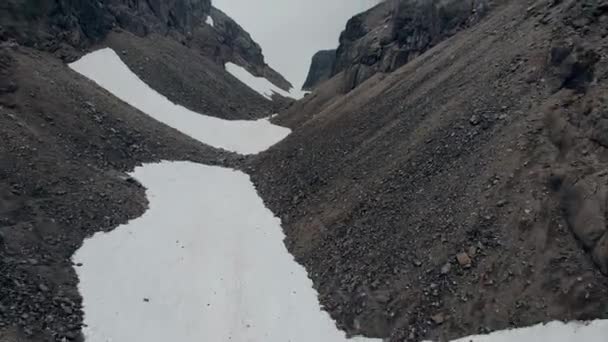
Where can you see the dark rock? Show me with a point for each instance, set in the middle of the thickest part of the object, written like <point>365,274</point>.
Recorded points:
<point>600,133</point>
<point>235,45</point>
<point>475,120</point>
<point>80,23</point>
<point>583,204</point>
<point>575,66</point>
<point>600,254</point>
<point>320,68</point>
<point>464,260</point>
<point>391,34</point>
<point>438,318</point>
<point>445,269</point>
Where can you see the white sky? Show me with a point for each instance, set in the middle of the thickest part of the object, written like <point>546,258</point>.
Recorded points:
<point>291,31</point>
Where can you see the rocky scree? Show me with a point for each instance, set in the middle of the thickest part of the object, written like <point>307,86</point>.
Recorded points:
<point>462,193</point>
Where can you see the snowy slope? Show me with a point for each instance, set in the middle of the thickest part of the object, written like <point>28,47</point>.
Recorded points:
<point>260,84</point>
<point>241,136</point>
<point>190,270</point>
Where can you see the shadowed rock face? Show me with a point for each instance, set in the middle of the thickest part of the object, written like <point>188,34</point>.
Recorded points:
<point>79,23</point>
<point>396,31</point>
<point>229,42</point>
<point>320,68</point>
<point>60,26</point>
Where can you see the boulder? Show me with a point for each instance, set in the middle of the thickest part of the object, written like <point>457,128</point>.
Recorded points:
<point>600,254</point>
<point>584,207</point>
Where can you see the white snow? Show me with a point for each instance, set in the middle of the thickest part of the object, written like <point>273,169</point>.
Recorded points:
<point>595,331</point>
<point>241,136</point>
<point>260,84</point>
<point>209,21</point>
<point>209,258</point>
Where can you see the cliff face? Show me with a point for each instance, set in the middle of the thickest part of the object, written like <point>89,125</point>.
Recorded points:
<point>49,23</point>
<point>226,41</point>
<point>395,32</point>
<point>320,68</point>
<point>64,27</point>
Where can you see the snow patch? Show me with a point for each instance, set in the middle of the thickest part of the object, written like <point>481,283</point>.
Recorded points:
<point>595,331</point>
<point>260,84</point>
<point>242,136</point>
<point>209,21</point>
<point>206,262</point>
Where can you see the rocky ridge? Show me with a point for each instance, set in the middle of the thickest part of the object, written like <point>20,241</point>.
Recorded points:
<point>65,28</point>
<point>393,33</point>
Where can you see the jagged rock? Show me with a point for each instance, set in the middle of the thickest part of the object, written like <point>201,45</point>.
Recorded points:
<point>575,66</point>
<point>600,134</point>
<point>231,43</point>
<point>584,208</point>
<point>600,254</point>
<point>394,32</point>
<point>81,23</point>
<point>320,68</point>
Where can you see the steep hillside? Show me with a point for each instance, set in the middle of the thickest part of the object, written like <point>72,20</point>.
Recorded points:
<point>463,192</point>
<point>320,68</point>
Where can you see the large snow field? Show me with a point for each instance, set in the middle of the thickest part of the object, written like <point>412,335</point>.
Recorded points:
<point>206,262</point>
<point>242,136</point>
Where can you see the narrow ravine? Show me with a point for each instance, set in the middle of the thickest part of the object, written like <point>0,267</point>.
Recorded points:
<point>206,261</point>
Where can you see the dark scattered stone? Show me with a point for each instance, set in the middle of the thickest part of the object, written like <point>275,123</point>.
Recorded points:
<point>600,254</point>
<point>475,120</point>
<point>463,260</point>
<point>438,318</point>
<point>445,269</point>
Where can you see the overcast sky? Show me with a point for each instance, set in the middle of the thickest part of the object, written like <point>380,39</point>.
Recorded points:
<point>291,31</point>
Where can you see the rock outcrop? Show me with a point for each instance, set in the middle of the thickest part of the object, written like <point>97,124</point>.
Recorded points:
<point>66,27</point>
<point>394,32</point>
<point>320,68</point>
<point>226,41</point>
<point>48,24</point>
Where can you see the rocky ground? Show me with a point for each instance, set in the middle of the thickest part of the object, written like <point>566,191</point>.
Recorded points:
<point>462,193</point>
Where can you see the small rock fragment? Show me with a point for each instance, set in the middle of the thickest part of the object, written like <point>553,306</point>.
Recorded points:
<point>464,260</point>
<point>445,269</point>
<point>475,120</point>
<point>438,318</point>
